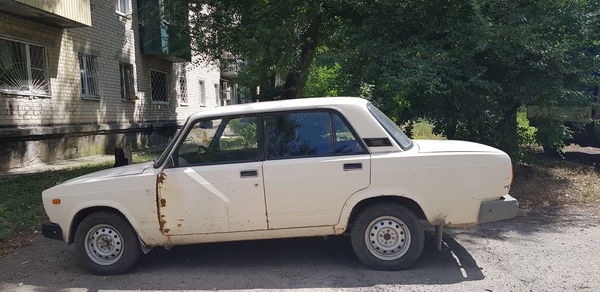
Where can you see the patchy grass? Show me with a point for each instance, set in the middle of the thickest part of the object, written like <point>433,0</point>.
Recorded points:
<point>145,156</point>
<point>549,181</point>
<point>21,206</point>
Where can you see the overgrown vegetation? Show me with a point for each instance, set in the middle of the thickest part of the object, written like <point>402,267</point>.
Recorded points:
<point>551,181</point>
<point>21,207</point>
<point>423,130</point>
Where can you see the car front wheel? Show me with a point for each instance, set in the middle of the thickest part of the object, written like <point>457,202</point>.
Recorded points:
<point>106,244</point>
<point>387,237</point>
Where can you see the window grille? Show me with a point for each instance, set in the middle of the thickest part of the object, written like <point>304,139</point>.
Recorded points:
<point>183,90</point>
<point>23,69</point>
<point>88,67</point>
<point>158,81</point>
<point>126,74</point>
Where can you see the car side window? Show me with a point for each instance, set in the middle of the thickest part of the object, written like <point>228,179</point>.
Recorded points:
<point>297,134</point>
<point>306,134</point>
<point>344,140</point>
<point>216,141</point>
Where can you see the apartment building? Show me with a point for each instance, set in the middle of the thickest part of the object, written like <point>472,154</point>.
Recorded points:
<point>81,77</point>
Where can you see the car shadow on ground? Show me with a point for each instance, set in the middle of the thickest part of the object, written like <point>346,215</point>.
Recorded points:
<point>304,263</point>
<point>263,264</point>
<point>294,263</point>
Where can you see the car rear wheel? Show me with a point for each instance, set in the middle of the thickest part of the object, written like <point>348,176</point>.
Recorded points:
<point>387,237</point>
<point>106,244</point>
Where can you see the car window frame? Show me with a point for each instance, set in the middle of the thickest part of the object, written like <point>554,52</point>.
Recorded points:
<point>259,140</point>
<point>167,160</point>
<point>359,140</point>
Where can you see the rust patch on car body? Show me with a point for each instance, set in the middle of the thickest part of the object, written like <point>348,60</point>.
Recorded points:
<point>161,178</point>
<point>161,202</point>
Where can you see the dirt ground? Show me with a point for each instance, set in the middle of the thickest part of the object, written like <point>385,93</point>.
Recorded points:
<point>548,249</point>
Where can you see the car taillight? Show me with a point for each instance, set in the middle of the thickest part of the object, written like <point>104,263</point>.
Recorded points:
<point>512,178</point>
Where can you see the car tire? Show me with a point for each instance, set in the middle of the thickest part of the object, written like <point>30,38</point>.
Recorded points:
<point>106,244</point>
<point>387,236</point>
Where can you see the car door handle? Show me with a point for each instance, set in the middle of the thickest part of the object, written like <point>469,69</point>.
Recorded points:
<point>248,173</point>
<point>352,166</point>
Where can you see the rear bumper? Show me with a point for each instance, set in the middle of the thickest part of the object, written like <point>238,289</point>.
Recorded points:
<point>52,231</point>
<point>504,208</point>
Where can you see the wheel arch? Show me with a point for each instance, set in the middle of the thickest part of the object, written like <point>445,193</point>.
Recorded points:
<point>349,214</point>
<point>84,212</point>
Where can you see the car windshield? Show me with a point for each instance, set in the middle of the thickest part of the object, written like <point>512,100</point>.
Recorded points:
<point>392,129</point>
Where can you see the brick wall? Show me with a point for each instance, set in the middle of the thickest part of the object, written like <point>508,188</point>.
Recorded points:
<point>113,39</point>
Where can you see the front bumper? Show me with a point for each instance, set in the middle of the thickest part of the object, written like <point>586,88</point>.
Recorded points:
<point>504,208</point>
<point>52,231</point>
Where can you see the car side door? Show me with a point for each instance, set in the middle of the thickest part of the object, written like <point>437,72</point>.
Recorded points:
<point>313,162</point>
<point>215,182</point>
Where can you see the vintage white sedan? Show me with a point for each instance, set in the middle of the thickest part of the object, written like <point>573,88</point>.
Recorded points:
<point>294,168</point>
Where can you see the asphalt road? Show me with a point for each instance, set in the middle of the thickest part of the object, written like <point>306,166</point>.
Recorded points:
<point>545,250</point>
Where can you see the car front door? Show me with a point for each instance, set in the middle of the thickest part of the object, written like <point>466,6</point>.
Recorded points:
<point>215,182</point>
<point>314,162</point>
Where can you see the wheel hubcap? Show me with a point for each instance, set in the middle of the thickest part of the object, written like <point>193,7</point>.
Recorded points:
<point>104,244</point>
<point>387,238</point>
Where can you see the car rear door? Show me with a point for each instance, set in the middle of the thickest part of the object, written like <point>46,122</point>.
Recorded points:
<point>313,162</point>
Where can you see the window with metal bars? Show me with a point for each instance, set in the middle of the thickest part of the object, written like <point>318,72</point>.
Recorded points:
<point>183,98</point>
<point>23,69</point>
<point>158,81</point>
<point>126,73</point>
<point>88,66</point>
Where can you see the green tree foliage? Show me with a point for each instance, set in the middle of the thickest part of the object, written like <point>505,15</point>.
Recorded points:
<point>275,39</point>
<point>467,66</point>
<point>245,129</point>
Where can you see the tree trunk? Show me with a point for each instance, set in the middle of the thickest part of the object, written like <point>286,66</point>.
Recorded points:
<point>450,130</point>
<point>508,133</point>
<point>296,78</point>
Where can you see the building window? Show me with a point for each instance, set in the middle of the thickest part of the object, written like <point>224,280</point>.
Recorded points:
<point>126,72</point>
<point>226,93</point>
<point>23,69</point>
<point>123,7</point>
<point>183,90</point>
<point>202,91</point>
<point>217,94</point>
<point>158,81</point>
<point>88,67</point>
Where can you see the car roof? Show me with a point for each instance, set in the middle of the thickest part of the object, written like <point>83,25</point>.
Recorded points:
<point>280,105</point>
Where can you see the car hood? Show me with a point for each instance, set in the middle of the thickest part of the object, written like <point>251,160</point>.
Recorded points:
<point>132,169</point>
<point>437,146</point>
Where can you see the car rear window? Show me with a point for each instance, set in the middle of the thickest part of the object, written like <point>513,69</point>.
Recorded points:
<point>392,129</point>
<point>306,134</point>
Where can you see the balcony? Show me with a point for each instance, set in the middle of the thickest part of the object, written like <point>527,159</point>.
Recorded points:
<point>164,34</point>
<point>61,13</point>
